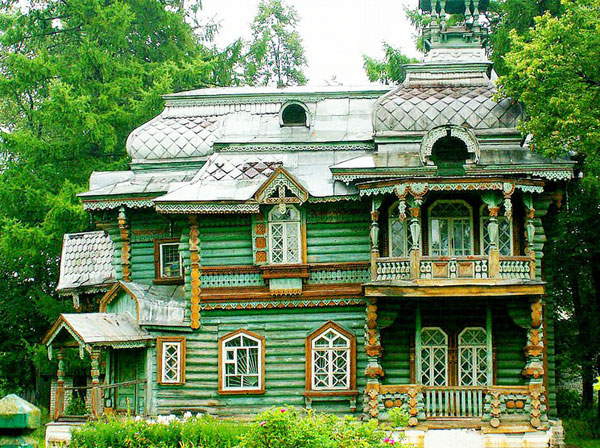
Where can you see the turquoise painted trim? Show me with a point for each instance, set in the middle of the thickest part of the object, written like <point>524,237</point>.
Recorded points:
<point>418,326</point>
<point>488,334</point>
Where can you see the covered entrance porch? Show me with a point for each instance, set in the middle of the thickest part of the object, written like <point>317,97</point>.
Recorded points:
<point>117,348</point>
<point>458,362</point>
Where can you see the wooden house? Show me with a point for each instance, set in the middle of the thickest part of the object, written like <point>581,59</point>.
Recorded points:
<point>349,250</point>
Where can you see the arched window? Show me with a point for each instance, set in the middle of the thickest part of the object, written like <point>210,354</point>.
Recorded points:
<point>434,357</point>
<point>505,234</point>
<point>284,235</point>
<point>473,369</point>
<point>331,359</point>
<point>294,114</point>
<point>399,234</point>
<point>450,230</point>
<point>241,362</point>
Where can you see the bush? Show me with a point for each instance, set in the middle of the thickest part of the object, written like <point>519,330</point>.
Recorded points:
<point>165,432</point>
<point>290,428</point>
<point>568,403</point>
<point>76,407</point>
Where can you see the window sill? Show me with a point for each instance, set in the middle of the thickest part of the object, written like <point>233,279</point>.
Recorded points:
<point>330,393</point>
<point>168,281</point>
<point>242,392</point>
<point>297,270</point>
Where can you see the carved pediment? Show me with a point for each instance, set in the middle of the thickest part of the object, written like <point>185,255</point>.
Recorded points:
<point>281,188</point>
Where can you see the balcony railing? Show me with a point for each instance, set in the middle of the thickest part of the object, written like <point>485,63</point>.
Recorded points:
<point>449,402</point>
<point>467,267</point>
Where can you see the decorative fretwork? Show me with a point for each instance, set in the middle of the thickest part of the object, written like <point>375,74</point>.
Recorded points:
<point>232,279</point>
<point>276,303</point>
<point>339,276</point>
<point>459,132</point>
<point>434,357</point>
<point>471,267</point>
<point>330,361</point>
<point>472,354</point>
<point>453,402</point>
<point>194,250</point>
<point>390,269</point>
<point>281,188</point>
<point>515,267</point>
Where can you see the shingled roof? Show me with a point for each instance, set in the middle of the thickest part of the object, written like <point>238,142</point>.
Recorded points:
<point>86,263</point>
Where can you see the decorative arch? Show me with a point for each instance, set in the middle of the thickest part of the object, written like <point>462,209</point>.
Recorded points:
<point>294,113</point>
<point>465,135</point>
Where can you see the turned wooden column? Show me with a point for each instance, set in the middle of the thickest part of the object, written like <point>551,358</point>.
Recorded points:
<point>530,232</point>
<point>195,272</point>
<point>59,404</point>
<point>492,200</point>
<point>95,373</point>
<point>374,371</point>
<point>125,245</point>
<point>374,234</point>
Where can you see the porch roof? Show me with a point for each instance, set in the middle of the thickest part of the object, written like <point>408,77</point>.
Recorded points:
<point>117,330</point>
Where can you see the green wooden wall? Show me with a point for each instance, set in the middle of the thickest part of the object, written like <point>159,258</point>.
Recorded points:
<point>225,240</point>
<point>285,332</point>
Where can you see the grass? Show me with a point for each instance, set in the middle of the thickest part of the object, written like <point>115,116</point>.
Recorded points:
<point>578,434</point>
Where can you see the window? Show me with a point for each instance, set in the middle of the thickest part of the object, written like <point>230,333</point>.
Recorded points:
<point>434,357</point>
<point>472,357</point>
<point>241,363</point>
<point>450,229</point>
<point>168,261</point>
<point>293,114</point>
<point>171,360</point>
<point>505,240</point>
<point>330,359</point>
<point>399,234</point>
<point>284,235</point>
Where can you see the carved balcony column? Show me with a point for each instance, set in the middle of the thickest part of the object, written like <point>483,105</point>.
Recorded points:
<point>374,234</point>
<point>418,192</point>
<point>59,403</point>
<point>492,200</point>
<point>530,231</point>
<point>195,272</point>
<point>534,364</point>
<point>125,244</point>
<point>95,374</point>
<point>374,371</point>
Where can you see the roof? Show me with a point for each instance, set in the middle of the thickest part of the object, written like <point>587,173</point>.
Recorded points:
<point>156,305</point>
<point>86,262</point>
<point>97,329</point>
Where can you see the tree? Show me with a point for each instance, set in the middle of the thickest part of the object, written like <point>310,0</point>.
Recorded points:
<point>76,76</point>
<point>275,55</point>
<point>390,69</point>
<point>553,69</point>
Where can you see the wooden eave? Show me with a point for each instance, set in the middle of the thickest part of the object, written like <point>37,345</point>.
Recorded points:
<point>454,288</point>
<point>449,180</point>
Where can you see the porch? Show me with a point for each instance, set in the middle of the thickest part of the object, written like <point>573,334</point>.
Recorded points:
<point>115,347</point>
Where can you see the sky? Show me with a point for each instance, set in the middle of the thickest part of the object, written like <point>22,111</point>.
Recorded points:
<point>335,33</point>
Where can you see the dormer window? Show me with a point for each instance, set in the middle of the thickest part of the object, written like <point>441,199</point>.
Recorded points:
<point>284,235</point>
<point>293,114</point>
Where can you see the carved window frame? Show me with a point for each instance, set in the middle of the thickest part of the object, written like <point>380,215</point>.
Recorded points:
<point>158,262</point>
<point>163,360</point>
<point>351,365</point>
<point>451,248</point>
<point>223,360</point>
<point>483,221</point>
<point>287,226</point>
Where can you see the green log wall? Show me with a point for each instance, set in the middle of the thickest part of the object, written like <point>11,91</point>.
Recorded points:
<point>285,332</point>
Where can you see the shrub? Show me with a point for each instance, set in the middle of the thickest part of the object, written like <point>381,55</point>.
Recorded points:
<point>568,403</point>
<point>290,428</point>
<point>76,407</point>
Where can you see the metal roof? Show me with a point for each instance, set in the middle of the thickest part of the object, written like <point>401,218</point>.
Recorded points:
<point>86,262</point>
<point>97,329</point>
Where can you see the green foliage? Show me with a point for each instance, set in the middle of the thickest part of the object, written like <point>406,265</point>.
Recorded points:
<point>76,407</point>
<point>390,69</point>
<point>554,70</point>
<point>290,428</point>
<point>569,403</point>
<point>200,432</point>
<point>398,418</point>
<point>275,55</point>
<point>75,78</point>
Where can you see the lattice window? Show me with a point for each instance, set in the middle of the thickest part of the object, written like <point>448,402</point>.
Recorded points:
<point>241,364</point>
<point>169,260</point>
<point>171,360</point>
<point>399,236</point>
<point>330,361</point>
<point>472,354</point>
<point>505,239</point>
<point>451,228</point>
<point>284,235</point>
<point>434,357</point>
